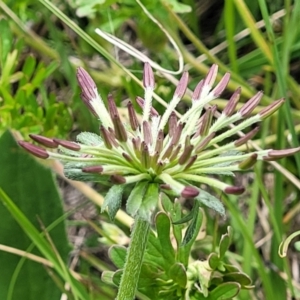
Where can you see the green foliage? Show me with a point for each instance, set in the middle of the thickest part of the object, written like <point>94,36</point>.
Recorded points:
<point>168,272</point>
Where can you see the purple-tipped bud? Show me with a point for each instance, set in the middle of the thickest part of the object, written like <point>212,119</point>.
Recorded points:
<point>87,85</point>
<point>270,109</point>
<point>186,154</point>
<point>211,75</point>
<point>159,141</point>
<point>134,123</point>
<point>68,145</point>
<point>92,169</point>
<point>182,85</point>
<point>205,142</point>
<point>197,91</point>
<point>206,121</point>
<point>145,157</point>
<point>47,142</point>
<point>221,86</point>
<point>148,77</point>
<point>140,101</point>
<point>177,133</point>
<point>175,153</point>
<point>107,137</point>
<point>35,150</point>
<point>117,179</point>
<point>234,190</point>
<point>249,106</point>
<point>136,142</point>
<point>168,152</point>
<point>190,162</point>
<point>277,154</point>
<point>232,103</point>
<point>112,108</point>
<point>120,132</point>
<point>189,192</point>
<point>172,123</point>
<point>248,162</point>
<point>147,133</point>
<point>127,157</point>
<point>247,137</point>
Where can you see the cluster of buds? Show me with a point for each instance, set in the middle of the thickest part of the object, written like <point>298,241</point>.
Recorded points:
<point>176,153</point>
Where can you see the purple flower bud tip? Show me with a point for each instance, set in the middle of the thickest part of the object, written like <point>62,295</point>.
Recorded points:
<point>35,150</point>
<point>277,154</point>
<point>117,179</point>
<point>234,190</point>
<point>148,78</point>
<point>182,85</point>
<point>269,110</point>
<point>86,84</point>
<point>67,144</point>
<point>221,86</point>
<point>189,192</point>
<point>47,142</point>
<point>93,169</point>
<point>211,75</point>
<point>198,90</point>
<point>249,106</point>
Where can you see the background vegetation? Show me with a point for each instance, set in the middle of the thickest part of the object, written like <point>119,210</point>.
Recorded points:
<point>42,43</point>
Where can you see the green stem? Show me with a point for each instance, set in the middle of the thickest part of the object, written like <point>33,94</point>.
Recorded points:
<point>134,259</point>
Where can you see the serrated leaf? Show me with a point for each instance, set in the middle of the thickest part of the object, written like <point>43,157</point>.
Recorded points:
<point>163,226</point>
<point>113,200</point>
<point>225,291</point>
<point>135,198</point>
<point>178,273</point>
<point>117,254</point>
<point>77,174</point>
<point>211,202</point>
<point>149,202</point>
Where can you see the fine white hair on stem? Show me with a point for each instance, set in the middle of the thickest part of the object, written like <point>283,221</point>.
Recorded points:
<point>139,55</point>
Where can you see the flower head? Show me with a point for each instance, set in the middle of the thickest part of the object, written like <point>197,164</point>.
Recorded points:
<point>165,152</point>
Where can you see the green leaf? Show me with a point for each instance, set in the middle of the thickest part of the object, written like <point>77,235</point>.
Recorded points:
<point>135,198</point>
<point>241,278</point>
<point>189,238</point>
<point>89,138</point>
<point>35,195</point>
<point>163,226</point>
<point>211,201</point>
<point>149,202</point>
<point>107,277</point>
<point>224,243</point>
<point>113,200</point>
<point>213,261</point>
<point>178,273</point>
<point>117,254</point>
<point>192,214</point>
<point>225,291</point>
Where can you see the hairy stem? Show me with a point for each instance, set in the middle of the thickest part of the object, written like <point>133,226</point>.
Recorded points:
<point>134,259</point>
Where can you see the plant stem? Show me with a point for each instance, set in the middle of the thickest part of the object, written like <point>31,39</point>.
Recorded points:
<point>134,259</point>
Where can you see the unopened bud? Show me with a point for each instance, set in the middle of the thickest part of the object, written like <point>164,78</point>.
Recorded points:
<point>232,103</point>
<point>47,142</point>
<point>148,77</point>
<point>270,109</point>
<point>234,190</point>
<point>249,106</point>
<point>68,145</point>
<point>182,85</point>
<point>189,192</point>
<point>221,86</point>
<point>248,162</point>
<point>92,169</point>
<point>35,150</point>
